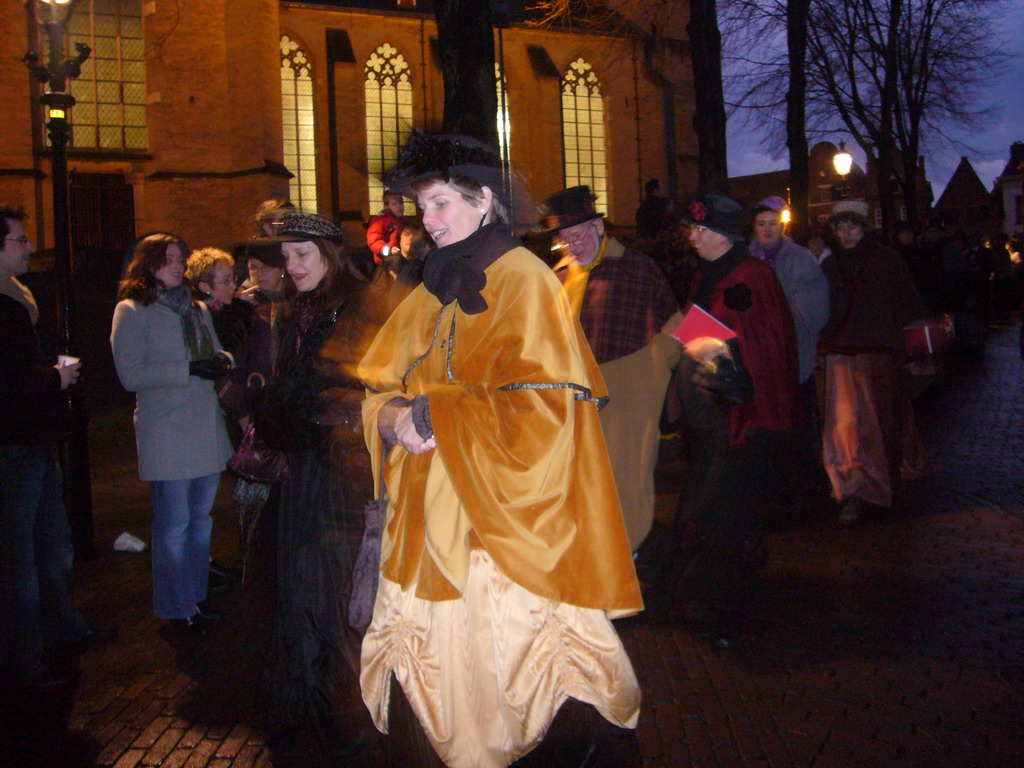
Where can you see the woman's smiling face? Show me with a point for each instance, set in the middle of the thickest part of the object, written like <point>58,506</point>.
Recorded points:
<point>447,216</point>
<point>173,270</point>
<point>305,264</point>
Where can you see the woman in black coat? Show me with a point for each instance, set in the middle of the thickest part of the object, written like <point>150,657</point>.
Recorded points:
<point>310,409</point>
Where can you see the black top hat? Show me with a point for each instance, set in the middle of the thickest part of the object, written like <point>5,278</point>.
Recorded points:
<point>571,207</point>
<point>715,212</point>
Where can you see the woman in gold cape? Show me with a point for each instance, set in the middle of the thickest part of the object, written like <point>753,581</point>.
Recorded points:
<point>504,552</point>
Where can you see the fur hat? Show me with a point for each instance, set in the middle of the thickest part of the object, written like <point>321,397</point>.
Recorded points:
<point>571,207</point>
<point>718,213</point>
<point>300,227</point>
<point>445,155</point>
<point>855,211</point>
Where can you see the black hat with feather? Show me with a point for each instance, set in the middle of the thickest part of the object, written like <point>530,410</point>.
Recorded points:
<point>449,155</point>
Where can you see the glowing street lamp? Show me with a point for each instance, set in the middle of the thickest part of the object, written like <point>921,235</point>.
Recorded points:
<point>842,161</point>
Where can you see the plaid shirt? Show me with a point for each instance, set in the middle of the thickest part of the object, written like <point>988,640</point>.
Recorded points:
<point>626,302</point>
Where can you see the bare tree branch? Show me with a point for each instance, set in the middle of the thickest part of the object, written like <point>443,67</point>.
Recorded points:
<point>897,75</point>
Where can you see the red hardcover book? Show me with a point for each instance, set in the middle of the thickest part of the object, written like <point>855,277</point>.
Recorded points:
<point>928,336</point>
<point>698,323</point>
<point>703,336</point>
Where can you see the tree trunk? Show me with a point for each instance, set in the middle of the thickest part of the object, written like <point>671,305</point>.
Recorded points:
<point>886,138</point>
<point>796,113</point>
<point>911,184</point>
<point>709,118</point>
<point>466,41</point>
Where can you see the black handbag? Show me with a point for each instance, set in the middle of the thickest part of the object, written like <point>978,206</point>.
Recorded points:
<point>256,462</point>
<point>366,571</point>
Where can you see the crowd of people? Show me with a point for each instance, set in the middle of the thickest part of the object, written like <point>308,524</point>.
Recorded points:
<point>511,414</point>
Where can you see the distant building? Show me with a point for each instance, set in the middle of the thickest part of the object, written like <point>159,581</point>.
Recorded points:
<point>965,204</point>
<point>190,113</point>
<point>826,187</point>
<point>1008,190</point>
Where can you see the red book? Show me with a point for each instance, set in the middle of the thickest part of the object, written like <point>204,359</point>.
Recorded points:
<point>698,323</point>
<point>928,336</point>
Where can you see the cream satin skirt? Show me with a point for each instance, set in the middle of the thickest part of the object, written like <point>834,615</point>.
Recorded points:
<point>485,674</point>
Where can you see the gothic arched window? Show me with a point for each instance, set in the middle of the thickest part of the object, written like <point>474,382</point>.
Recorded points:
<point>388,115</point>
<point>299,125</point>
<point>583,131</point>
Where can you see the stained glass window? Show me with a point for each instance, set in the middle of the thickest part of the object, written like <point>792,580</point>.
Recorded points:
<point>297,120</point>
<point>388,89</point>
<point>583,139</point>
<point>110,112</point>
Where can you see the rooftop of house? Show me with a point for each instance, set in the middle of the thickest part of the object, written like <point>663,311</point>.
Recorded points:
<point>964,189</point>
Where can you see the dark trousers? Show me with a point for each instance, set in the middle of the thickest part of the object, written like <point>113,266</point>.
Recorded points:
<point>718,543</point>
<point>798,481</point>
<point>578,736</point>
<point>36,556</point>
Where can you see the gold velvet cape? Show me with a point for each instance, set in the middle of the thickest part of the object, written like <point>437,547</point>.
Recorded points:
<point>520,454</point>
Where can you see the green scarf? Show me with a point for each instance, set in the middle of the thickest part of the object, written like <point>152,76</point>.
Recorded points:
<point>195,332</point>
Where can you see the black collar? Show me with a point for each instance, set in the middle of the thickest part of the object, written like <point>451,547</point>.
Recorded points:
<point>711,272</point>
<point>456,271</point>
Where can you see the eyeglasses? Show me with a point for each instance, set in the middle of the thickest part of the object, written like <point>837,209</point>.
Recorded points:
<point>229,281</point>
<point>574,241</point>
<point>23,239</point>
<point>697,229</point>
<point>256,268</point>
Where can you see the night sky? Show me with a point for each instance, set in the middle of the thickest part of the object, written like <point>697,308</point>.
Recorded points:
<point>988,150</point>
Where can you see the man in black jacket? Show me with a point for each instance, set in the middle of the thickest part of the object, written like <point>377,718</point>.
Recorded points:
<point>36,608</point>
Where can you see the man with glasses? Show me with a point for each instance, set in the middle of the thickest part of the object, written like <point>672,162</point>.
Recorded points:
<point>739,409</point>
<point>36,608</point>
<point>622,300</point>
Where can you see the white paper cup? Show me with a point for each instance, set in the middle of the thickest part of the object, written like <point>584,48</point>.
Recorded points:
<point>66,360</point>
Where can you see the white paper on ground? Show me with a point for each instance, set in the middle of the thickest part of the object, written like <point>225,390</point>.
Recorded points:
<point>128,543</point>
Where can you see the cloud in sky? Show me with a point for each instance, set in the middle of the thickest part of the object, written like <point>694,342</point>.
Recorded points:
<point>745,161</point>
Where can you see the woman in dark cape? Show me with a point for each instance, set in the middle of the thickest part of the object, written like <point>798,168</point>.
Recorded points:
<point>310,409</point>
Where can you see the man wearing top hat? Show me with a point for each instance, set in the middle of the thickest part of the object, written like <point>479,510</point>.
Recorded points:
<point>622,300</point>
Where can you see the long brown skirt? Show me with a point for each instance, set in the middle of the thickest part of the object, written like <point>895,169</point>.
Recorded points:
<point>861,429</point>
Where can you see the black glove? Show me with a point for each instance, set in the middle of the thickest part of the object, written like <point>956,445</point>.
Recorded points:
<point>211,367</point>
<point>726,380</point>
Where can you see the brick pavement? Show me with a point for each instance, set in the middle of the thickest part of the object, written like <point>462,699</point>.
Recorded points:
<point>897,643</point>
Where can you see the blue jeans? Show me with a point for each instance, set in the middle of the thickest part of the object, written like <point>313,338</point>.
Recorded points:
<point>36,556</point>
<point>181,543</point>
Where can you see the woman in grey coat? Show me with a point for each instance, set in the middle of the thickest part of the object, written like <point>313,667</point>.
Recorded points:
<point>167,352</point>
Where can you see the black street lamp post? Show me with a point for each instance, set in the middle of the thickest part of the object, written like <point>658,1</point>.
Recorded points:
<point>52,16</point>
